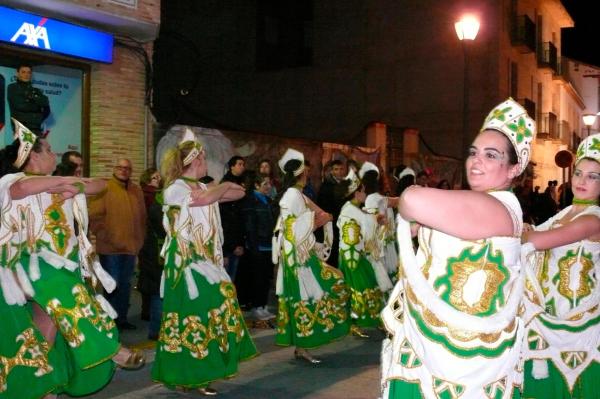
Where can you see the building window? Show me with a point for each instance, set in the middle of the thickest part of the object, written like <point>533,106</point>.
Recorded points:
<point>284,34</point>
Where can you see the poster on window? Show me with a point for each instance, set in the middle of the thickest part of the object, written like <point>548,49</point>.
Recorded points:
<point>63,87</point>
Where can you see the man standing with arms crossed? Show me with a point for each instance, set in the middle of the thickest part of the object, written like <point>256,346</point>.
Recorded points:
<point>118,219</point>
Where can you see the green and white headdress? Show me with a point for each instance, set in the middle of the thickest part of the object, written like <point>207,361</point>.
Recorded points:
<point>511,119</point>
<point>291,154</point>
<point>367,166</point>
<point>197,150</point>
<point>589,148</point>
<point>26,139</point>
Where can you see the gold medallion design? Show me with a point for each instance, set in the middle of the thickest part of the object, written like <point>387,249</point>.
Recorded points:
<point>56,224</point>
<point>351,234</point>
<point>475,281</point>
<point>573,277</point>
<point>32,353</point>
<point>86,308</point>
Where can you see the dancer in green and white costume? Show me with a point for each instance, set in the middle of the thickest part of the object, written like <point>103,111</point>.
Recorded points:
<point>360,256</point>
<point>563,295</point>
<point>313,299</point>
<point>453,313</point>
<point>45,263</point>
<point>203,336</point>
<point>382,208</point>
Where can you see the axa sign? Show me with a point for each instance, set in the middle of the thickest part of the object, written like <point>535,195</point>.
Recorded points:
<point>23,29</point>
<point>31,35</point>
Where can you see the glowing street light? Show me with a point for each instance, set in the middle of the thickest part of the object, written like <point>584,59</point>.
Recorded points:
<point>589,120</point>
<point>467,27</point>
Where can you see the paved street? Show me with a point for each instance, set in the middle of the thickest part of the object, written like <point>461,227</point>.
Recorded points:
<point>350,370</point>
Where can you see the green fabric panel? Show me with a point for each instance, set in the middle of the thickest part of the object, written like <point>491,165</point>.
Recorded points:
<point>310,324</point>
<point>555,386</point>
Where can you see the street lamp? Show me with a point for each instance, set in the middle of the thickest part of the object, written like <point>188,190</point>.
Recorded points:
<point>589,120</point>
<point>466,30</point>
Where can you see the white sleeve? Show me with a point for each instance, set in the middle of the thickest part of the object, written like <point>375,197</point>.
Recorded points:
<point>292,203</point>
<point>177,194</point>
<point>511,203</point>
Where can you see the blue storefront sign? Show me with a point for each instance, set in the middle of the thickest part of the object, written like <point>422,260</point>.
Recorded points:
<point>24,29</point>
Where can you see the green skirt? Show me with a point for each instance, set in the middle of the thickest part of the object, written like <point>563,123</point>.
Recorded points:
<point>366,298</point>
<point>87,337</point>
<point>202,339</point>
<point>412,390</point>
<point>312,323</point>
<point>29,368</point>
<point>587,385</point>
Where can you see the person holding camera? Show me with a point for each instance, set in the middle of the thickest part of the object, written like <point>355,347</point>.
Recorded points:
<point>27,104</point>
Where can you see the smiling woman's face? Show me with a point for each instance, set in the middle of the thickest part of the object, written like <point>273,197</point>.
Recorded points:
<point>487,165</point>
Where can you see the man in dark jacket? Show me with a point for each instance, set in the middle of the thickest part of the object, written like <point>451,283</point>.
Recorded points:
<point>232,218</point>
<point>27,104</point>
<point>331,199</point>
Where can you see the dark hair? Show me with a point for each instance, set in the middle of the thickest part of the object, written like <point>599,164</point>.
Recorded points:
<point>404,183</point>
<point>258,179</point>
<point>233,160</point>
<point>65,157</point>
<point>288,178</point>
<point>336,162</point>
<point>206,179</point>
<point>65,169</point>
<point>9,154</point>
<point>23,65</point>
<point>371,182</point>
<point>513,159</point>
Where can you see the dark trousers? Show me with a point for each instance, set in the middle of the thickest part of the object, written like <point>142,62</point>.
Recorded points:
<point>262,273</point>
<point>120,267</point>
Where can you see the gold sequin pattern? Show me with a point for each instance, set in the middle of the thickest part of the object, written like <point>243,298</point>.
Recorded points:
<point>32,353</point>
<point>86,307</point>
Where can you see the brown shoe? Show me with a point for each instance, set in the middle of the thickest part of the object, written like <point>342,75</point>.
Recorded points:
<point>135,360</point>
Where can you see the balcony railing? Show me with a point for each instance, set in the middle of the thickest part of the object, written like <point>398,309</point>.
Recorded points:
<point>548,126</point>
<point>547,56</point>
<point>522,33</point>
<point>562,70</point>
<point>564,131</point>
<point>528,105</point>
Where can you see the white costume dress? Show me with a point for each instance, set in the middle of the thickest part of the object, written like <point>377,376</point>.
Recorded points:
<point>453,315</point>
<point>562,301</point>
<point>376,203</point>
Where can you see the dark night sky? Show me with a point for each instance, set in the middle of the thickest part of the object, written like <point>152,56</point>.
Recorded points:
<point>582,43</point>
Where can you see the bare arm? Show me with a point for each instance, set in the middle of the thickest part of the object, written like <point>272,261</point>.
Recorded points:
<point>217,193</point>
<point>94,186</point>
<point>468,215</point>
<point>234,193</point>
<point>31,185</point>
<point>579,229</point>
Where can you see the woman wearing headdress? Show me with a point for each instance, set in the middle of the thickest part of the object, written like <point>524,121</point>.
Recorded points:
<point>45,261</point>
<point>563,295</point>
<point>313,299</point>
<point>404,178</point>
<point>203,336</point>
<point>382,210</point>
<point>453,313</point>
<point>360,259</point>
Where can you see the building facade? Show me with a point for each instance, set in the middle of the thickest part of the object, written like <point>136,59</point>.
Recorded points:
<point>327,70</point>
<point>116,121</point>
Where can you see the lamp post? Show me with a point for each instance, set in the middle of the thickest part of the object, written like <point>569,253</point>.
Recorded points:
<point>466,30</point>
<point>589,120</point>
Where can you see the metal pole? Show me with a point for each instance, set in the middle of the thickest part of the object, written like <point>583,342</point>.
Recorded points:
<point>465,132</point>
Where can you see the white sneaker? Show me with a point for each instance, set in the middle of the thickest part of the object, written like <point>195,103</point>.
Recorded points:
<point>266,313</point>
<point>258,314</point>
